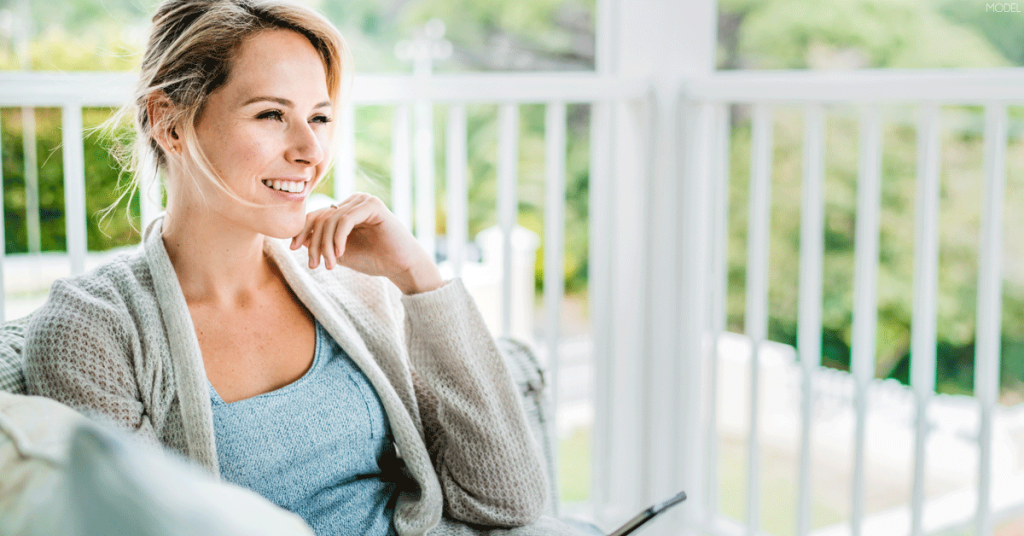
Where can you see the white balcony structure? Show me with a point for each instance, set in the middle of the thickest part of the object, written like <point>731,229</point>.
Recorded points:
<point>658,204</point>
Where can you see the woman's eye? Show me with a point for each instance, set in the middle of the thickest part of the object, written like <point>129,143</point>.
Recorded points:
<point>272,114</point>
<point>321,119</point>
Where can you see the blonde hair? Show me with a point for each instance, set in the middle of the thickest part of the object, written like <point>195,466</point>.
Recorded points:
<point>189,55</point>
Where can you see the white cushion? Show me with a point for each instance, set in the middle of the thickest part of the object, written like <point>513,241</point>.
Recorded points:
<point>66,476</point>
<point>34,436</point>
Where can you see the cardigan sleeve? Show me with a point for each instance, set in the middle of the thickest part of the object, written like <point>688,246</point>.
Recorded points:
<point>75,354</point>
<point>476,431</point>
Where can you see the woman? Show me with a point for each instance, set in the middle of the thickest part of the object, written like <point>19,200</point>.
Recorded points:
<point>337,375</point>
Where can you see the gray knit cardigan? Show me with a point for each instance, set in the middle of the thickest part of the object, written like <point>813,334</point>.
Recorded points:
<point>119,343</point>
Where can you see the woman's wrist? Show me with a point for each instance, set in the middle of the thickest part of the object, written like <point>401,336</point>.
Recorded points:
<point>418,279</point>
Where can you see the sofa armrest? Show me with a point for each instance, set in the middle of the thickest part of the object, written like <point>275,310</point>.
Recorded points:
<point>529,376</point>
<point>12,340</point>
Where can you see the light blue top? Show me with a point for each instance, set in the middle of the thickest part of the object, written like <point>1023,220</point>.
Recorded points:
<point>320,447</point>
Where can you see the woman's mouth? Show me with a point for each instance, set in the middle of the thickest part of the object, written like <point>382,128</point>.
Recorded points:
<point>285,186</point>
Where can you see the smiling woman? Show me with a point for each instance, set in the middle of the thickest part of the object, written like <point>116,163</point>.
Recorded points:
<point>364,394</point>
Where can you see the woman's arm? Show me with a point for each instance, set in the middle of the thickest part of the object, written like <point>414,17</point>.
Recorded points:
<point>476,430</point>
<point>76,354</point>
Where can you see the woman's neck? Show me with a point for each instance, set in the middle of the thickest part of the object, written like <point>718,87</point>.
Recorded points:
<point>217,262</point>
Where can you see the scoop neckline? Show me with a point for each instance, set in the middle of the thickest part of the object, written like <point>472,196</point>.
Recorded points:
<point>318,332</point>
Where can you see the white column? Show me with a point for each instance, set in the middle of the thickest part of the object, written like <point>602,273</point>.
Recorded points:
<point>650,433</point>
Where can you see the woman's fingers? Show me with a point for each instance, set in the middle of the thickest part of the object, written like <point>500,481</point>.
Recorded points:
<point>322,236</point>
<point>300,239</point>
<point>327,243</point>
<point>313,243</point>
<point>356,215</point>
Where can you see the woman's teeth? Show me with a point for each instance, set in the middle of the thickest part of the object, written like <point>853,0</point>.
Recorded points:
<point>286,186</point>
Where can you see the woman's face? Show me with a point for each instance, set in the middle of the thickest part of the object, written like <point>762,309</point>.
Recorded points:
<point>266,133</point>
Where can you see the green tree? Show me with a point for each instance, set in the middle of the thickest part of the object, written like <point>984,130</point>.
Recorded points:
<point>792,34</point>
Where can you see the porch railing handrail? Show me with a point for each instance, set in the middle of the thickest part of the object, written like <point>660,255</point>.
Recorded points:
<point>970,86</point>
<point>946,86</point>
<point>92,89</point>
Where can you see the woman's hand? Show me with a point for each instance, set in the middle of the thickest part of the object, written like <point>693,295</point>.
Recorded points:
<point>362,234</point>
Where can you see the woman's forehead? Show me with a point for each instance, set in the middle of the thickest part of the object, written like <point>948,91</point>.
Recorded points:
<point>281,64</point>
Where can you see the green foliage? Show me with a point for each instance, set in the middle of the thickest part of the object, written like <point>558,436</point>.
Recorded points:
<point>794,34</point>
<point>959,228</point>
<point>477,21</point>
<point>78,15</point>
<point>1003,30</point>
<point>101,186</point>
<point>49,177</point>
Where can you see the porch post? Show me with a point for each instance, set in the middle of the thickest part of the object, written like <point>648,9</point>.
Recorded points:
<point>651,433</point>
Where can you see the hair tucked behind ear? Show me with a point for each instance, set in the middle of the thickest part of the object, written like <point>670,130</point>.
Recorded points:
<point>189,55</point>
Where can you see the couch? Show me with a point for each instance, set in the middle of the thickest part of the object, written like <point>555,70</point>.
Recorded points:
<point>59,466</point>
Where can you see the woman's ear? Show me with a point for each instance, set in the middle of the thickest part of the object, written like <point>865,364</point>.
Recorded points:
<point>161,113</point>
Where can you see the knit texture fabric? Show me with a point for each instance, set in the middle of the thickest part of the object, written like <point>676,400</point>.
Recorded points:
<point>12,377</point>
<point>119,344</point>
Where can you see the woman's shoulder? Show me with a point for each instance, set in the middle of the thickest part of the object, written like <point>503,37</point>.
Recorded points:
<point>108,293</point>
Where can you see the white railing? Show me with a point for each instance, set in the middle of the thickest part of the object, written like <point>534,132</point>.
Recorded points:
<point>706,109</point>
<point>413,182</point>
<point>869,91</point>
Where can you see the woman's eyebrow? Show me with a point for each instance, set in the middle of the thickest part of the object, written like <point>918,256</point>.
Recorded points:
<point>282,102</point>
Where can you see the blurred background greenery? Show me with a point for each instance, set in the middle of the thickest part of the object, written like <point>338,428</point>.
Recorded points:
<point>74,35</point>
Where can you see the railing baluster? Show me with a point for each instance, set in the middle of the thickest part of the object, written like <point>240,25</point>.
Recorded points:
<point>345,166</point>
<point>756,316</point>
<point>457,220</point>
<point>599,290</point>
<point>720,291</point>
<point>554,232</point>
<point>926,263</point>
<point>426,218</point>
<point>812,245</point>
<point>150,201</point>
<point>28,142</point>
<point>685,399</point>
<point>74,186</point>
<point>990,287</point>
<point>401,165</point>
<point>508,170</point>
<point>865,301</point>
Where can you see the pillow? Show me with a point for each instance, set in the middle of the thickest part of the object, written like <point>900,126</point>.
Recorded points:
<point>12,340</point>
<point>34,434</point>
<point>67,476</point>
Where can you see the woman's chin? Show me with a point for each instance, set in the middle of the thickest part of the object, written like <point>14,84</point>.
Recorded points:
<point>285,230</point>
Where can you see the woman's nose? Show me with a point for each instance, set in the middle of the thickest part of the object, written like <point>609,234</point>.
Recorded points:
<point>305,147</point>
